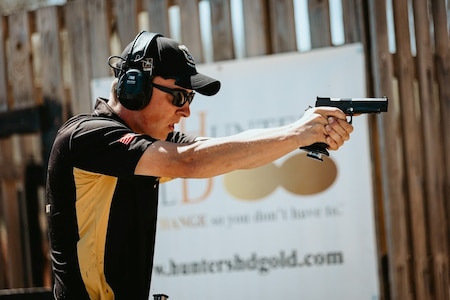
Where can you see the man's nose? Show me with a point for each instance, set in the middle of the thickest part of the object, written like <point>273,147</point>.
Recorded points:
<point>186,110</point>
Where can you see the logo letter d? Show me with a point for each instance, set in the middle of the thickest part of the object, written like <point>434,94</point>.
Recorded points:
<point>191,199</point>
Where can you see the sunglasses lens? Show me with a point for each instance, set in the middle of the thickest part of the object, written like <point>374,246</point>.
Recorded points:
<point>190,97</point>
<point>180,98</point>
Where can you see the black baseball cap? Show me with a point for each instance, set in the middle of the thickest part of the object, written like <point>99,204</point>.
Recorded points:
<point>173,60</point>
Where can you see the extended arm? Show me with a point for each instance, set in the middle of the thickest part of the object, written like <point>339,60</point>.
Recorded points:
<point>249,149</point>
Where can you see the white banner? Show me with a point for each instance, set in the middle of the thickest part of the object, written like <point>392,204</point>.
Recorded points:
<point>294,229</point>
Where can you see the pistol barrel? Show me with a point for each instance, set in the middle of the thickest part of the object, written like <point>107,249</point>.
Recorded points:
<point>355,105</point>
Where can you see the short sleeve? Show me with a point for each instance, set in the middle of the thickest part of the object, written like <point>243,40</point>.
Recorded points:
<point>107,146</point>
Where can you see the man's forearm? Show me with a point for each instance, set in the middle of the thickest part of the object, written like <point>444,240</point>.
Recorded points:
<point>249,149</point>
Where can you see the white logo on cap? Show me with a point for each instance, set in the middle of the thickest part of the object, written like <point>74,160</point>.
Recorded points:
<point>187,55</point>
<point>147,65</point>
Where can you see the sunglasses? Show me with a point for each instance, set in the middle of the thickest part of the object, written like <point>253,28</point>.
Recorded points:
<point>180,96</point>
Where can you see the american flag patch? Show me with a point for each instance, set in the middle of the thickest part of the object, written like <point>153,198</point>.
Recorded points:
<point>127,138</point>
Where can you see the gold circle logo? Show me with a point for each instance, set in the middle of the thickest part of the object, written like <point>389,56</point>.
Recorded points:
<point>299,175</point>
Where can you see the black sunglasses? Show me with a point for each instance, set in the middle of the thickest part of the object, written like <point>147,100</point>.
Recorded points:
<point>180,96</point>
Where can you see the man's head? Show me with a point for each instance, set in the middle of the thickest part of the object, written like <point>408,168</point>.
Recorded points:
<point>150,55</point>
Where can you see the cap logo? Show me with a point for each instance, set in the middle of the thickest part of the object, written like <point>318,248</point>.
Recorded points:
<point>187,55</point>
<point>147,65</point>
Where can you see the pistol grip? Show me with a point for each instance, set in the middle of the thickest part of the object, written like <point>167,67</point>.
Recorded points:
<point>316,150</point>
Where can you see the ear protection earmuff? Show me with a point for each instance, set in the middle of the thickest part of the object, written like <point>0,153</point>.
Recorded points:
<point>134,88</point>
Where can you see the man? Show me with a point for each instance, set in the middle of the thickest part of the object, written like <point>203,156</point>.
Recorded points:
<point>105,167</point>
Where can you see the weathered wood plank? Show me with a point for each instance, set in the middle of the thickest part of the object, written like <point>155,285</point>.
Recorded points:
<point>413,149</point>
<point>3,77</point>
<point>77,27</point>
<point>125,12</point>
<point>442,63</point>
<point>99,37</point>
<point>19,61</point>
<point>158,16</point>
<point>3,244</point>
<point>282,26</point>
<point>190,28</point>
<point>24,148</point>
<point>9,7</point>
<point>51,74</point>
<point>222,31</point>
<point>49,55</point>
<point>391,149</point>
<point>31,154</point>
<point>319,23</point>
<point>432,140</point>
<point>9,187</point>
<point>14,255</point>
<point>257,33</point>
<point>361,11</point>
<point>351,15</point>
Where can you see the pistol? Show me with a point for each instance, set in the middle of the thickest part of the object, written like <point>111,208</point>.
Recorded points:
<point>350,106</point>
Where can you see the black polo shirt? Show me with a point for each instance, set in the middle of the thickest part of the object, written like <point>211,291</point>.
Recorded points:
<point>102,217</point>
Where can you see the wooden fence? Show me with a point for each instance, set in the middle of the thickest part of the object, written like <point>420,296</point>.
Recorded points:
<point>48,57</point>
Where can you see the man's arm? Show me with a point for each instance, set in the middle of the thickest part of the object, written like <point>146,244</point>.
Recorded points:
<point>249,149</point>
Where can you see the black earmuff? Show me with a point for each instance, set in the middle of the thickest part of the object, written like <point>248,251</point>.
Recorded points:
<point>134,88</point>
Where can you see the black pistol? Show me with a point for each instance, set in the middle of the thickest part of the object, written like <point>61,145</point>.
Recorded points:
<point>350,106</point>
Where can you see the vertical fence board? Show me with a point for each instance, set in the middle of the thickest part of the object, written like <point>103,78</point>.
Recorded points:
<point>19,62</point>
<point>77,27</point>
<point>356,15</point>
<point>15,265</point>
<point>50,55</point>
<point>30,152</point>
<point>356,29</point>
<point>190,28</point>
<point>158,16</point>
<point>351,9</point>
<point>36,147</point>
<point>442,63</point>
<point>282,26</point>
<point>51,74</point>
<point>14,257</point>
<point>126,20</point>
<point>432,141</point>
<point>3,79</point>
<point>99,37</point>
<point>256,28</point>
<point>412,152</point>
<point>3,244</point>
<point>319,23</point>
<point>21,78</point>
<point>391,145</point>
<point>222,31</point>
